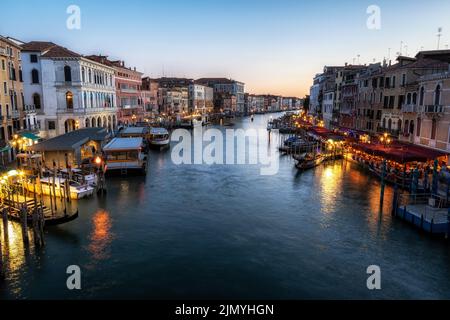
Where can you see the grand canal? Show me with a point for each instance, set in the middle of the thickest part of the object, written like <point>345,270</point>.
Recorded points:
<point>225,231</point>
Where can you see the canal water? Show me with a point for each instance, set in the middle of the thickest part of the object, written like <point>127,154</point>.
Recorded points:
<point>225,231</point>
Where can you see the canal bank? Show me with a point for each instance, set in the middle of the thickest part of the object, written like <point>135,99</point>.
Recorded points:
<point>202,231</point>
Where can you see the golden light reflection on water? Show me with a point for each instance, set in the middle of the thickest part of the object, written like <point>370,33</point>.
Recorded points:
<point>331,179</point>
<point>101,236</point>
<point>14,254</point>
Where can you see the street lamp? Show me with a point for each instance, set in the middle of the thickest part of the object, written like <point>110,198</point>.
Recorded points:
<point>385,140</point>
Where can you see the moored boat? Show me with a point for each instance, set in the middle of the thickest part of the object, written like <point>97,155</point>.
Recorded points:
<point>159,137</point>
<point>310,162</point>
<point>124,155</point>
<point>57,186</point>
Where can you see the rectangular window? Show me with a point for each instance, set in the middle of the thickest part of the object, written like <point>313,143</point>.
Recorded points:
<point>3,65</point>
<point>51,125</point>
<point>391,102</point>
<point>5,87</point>
<point>33,58</point>
<point>401,101</point>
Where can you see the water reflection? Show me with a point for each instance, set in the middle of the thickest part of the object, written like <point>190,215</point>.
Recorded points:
<point>101,236</point>
<point>15,254</point>
<point>331,179</point>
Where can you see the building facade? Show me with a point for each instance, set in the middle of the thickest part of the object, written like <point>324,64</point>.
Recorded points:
<point>128,83</point>
<point>12,109</point>
<point>149,94</point>
<point>67,90</point>
<point>228,94</point>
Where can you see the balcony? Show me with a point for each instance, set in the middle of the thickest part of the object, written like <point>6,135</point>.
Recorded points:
<point>432,109</point>
<point>409,108</point>
<point>15,114</point>
<point>29,109</point>
<point>128,90</point>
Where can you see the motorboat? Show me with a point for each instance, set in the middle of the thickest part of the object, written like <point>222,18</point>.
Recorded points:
<point>310,161</point>
<point>57,186</point>
<point>159,137</point>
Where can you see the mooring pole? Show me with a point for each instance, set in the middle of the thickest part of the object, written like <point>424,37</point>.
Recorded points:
<point>395,200</point>
<point>23,218</point>
<point>5,221</point>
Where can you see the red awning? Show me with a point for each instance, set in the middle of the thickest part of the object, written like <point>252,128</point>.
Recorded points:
<point>400,152</point>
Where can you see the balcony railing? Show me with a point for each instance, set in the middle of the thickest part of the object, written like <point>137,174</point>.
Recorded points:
<point>15,114</point>
<point>432,109</point>
<point>409,108</point>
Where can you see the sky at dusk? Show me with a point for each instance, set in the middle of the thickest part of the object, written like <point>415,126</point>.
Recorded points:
<point>273,46</point>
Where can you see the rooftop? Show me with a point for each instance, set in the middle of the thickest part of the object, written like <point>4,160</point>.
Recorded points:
<point>124,144</point>
<point>71,140</point>
<point>134,130</point>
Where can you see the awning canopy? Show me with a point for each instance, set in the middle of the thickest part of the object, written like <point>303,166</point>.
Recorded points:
<point>400,152</point>
<point>29,135</point>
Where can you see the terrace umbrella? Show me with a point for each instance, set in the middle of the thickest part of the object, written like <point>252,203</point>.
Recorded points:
<point>434,184</point>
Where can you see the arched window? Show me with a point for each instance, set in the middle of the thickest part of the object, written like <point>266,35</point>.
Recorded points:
<point>419,126</point>
<point>433,129</point>
<point>94,124</point>
<point>384,123</point>
<point>437,96</point>
<point>69,100</point>
<point>414,98</point>
<point>390,124</point>
<point>34,76</point>
<point>399,125</point>
<point>87,123</point>
<point>83,74</point>
<point>37,100</point>
<point>405,130</point>
<point>411,127</point>
<point>422,96</point>
<point>84,99</point>
<point>67,74</point>
<point>408,99</point>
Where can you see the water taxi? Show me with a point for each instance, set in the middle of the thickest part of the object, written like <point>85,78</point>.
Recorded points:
<point>310,161</point>
<point>159,137</point>
<point>125,154</point>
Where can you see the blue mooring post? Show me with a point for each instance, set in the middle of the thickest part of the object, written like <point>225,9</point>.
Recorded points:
<point>395,201</point>
<point>448,190</point>
<point>448,224</point>
<point>383,174</point>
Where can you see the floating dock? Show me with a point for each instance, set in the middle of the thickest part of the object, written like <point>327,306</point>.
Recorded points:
<point>426,212</point>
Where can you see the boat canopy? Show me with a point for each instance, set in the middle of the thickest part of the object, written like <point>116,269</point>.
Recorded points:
<point>134,131</point>
<point>119,144</point>
<point>158,131</point>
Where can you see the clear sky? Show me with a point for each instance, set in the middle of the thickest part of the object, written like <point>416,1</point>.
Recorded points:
<point>273,46</point>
